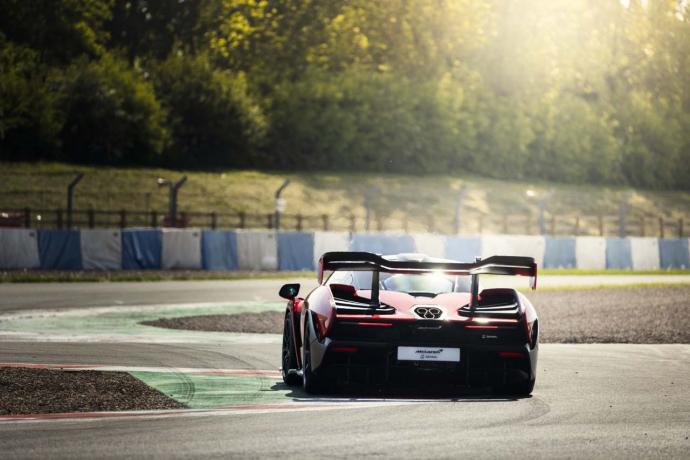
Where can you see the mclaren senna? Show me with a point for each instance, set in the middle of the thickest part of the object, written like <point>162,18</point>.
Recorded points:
<point>410,320</point>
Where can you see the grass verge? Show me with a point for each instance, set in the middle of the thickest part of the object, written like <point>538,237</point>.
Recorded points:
<point>416,200</point>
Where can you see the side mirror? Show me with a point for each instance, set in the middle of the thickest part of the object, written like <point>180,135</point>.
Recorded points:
<point>289,291</point>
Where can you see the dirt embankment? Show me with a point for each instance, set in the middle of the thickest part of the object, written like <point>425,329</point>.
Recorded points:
<point>616,315</point>
<point>270,322</point>
<point>41,391</point>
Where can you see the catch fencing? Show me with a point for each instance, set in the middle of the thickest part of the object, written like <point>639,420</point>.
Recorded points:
<point>472,223</point>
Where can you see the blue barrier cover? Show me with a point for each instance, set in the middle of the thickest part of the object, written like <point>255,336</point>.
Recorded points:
<point>141,249</point>
<point>59,249</point>
<point>559,252</point>
<point>463,249</point>
<point>295,251</point>
<point>382,244</point>
<point>219,250</point>
<point>673,253</point>
<point>618,254</point>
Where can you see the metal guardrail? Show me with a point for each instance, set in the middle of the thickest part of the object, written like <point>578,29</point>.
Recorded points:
<point>526,224</point>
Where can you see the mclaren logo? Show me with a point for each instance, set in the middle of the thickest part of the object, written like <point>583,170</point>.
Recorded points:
<point>429,352</point>
<point>428,311</point>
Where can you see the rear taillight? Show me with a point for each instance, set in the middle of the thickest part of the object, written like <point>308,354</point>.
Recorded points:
<point>345,349</point>
<point>510,354</point>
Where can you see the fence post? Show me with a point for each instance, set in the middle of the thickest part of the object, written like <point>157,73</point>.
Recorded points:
<point>27,217</point>
<point>661,227</point>
<point>642,229</point>
<point>58,218</point>
<point>432,224</point>
<point>324,217</point>
<point>92,218</point>
<point>243,219</point>
<point>680,228</point>
<point>123,218</point>
<point>70,197</point>
<point>577,226</point>
<point>154,219</point>
<point>182,221</point>
<point>353,223</point>
<point>214,220</point>
<point>299,222</point>
<point>269,221</point>
<point>601,225</point>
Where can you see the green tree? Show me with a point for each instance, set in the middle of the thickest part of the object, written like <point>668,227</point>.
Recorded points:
<point>111,114</point>
<point>29,121</point>
<point>58,31</point>
<point>151,29</point>
<point>213,118</point>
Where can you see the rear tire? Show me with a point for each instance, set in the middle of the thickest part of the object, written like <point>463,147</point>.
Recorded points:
<point>311,383</point>
<point>289,355</point>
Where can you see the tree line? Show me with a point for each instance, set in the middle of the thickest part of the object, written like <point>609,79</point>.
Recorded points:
<point>580,91</point>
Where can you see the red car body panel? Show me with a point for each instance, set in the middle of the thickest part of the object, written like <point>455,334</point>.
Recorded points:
<point>319,312</point>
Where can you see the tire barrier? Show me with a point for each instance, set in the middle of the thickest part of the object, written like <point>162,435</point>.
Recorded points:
<point>101,249</point>
<point>141,249</point>
<point>618,254</point>
<point>330,241</point>
<point>382,243</point>
<point>514,245</point>
<point>219,250</point>
<point>644,253</point>
<point>463,249</point>
<point>590,252</point>
<point>257,250</point>
<point>673,253</point>
<point>181,248</point>
<point>295,251</point>
<point>60,249</point>
<point>431,245</point>
<point>560,252</point>
<point>19,248</point>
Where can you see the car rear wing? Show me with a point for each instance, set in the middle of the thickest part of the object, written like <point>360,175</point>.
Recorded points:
<point>366,261</point>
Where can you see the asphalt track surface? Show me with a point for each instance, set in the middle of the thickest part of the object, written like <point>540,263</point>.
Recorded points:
<point>590,401</point>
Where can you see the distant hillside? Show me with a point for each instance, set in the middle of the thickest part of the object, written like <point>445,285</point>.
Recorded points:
<point>425,202</point>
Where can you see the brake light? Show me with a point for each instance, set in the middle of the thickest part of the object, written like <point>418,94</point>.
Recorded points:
<point>471,326</point>
<point>345,349</point>
<point>510,354</point>
<point>374,324</point>
<point>485,320</point>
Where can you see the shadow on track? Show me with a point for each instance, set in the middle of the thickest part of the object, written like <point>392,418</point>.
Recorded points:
<point>361,393</point>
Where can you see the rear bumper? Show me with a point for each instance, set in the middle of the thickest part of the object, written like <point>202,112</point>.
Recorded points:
<point>374,362</point>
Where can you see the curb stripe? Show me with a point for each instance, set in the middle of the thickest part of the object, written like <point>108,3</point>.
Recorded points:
<point>236,410</point>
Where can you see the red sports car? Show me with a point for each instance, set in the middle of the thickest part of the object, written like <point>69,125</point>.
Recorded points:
<point>410,320</point>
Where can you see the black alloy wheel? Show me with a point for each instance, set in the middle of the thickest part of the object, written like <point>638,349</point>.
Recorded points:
<point>289,356</point>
